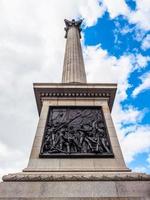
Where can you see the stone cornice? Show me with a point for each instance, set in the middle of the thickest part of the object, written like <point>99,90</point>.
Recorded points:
<point>87,91</point>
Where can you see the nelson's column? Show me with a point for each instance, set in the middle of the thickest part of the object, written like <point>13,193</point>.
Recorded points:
<point>75,153</point>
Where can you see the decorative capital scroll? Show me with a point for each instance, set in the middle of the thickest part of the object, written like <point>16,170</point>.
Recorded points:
<point>72,23</point>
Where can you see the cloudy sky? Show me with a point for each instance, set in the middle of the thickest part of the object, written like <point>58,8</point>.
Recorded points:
<point>116,47</point>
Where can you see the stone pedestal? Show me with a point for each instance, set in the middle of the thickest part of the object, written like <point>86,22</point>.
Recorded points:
<point>96,186</point>
<point>75,178</point>
<point>75,95</point>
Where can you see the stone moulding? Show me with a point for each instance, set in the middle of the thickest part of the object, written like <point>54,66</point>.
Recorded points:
<point>87,91</point>
<point>77,177</point>
<point>74,94</point>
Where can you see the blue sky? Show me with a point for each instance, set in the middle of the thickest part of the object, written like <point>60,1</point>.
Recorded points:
<point>116,48</point>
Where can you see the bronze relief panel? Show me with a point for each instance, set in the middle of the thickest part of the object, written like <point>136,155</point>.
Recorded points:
<point>75,131</point>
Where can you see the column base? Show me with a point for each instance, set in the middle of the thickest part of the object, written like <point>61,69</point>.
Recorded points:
<point>102,185</point>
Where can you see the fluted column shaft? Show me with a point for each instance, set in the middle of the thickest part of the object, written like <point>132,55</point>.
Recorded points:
<point>73,68</point>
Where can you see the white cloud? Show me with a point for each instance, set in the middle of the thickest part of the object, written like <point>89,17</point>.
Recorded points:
<point>101,67</point>
<point>141,16</point>
<point>97,61</point>
<point>134,137</point>
<point>126,29</point>
<point>7,153</point>
<point>146,42</point>
<point>10,155</point>
<point>138,34</point>
<point>140,169</point>
<point>116,7</point>
<point>128,115</point>
<point>137,141</point>
<point>91,12</point>
<point>145,85</point>
<point>141,61</point>
<point>148,159</point>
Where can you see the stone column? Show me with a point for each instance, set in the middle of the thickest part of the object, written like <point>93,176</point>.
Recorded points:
<point>73,68</point>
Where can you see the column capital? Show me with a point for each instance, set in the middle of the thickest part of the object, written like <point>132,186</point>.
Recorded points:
<point>73,23</point>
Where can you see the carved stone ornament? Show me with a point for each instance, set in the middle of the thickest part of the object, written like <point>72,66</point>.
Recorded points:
<point>74,23</point>
<point>75,132</point>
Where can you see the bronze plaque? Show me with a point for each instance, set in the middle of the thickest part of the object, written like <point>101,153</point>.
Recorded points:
<point>75,131</point>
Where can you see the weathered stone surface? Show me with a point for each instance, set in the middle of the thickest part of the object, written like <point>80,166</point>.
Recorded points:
<point>78,198</point>
<point>74,189</point>
<point>77,176</point>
